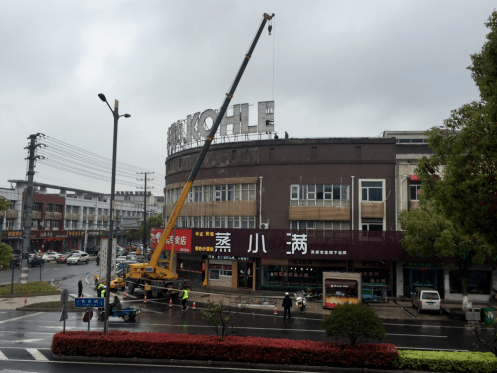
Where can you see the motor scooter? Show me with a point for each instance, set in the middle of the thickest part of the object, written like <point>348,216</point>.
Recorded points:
<point>98,260</point>
<point>300,300</point>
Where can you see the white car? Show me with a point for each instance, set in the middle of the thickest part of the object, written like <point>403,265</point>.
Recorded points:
<point>120,259</point>
<point>78,258</point>
<point>48,257</point>
<point>426,299</point>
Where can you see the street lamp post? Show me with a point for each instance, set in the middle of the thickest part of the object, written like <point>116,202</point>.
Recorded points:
<point>116,116</point>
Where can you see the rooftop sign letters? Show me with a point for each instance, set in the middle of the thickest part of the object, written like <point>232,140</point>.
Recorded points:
<point>194,130</point>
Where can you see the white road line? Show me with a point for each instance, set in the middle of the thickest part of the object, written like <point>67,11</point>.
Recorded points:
<point>37,354</point>
<point>21,317</point>
<point>428,326</point>
<point>3,357</point>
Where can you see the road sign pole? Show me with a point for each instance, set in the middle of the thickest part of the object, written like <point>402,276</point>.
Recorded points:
<point>89,318</point>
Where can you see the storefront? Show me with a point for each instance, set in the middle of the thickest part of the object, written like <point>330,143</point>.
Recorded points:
<point>428,274</point>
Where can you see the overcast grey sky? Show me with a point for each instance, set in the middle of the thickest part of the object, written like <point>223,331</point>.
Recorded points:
<point>341,69</point>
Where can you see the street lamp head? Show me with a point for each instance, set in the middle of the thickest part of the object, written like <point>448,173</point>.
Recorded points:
<point>127,116</point>
<point>102,97</point>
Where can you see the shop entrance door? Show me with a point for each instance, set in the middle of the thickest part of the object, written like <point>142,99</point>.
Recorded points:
<point>245,275</point>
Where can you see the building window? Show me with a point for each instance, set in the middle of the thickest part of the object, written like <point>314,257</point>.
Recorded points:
<point>414,191</point>
<point>302,224</point>
<point>57,208</point>
<point>372,191</point>
<point>12,205</point>
<point>372,224</point>
<point>9,224</point>
<point>197,194</point>
<point>294,192</point>
<point>219,270</point>
<point>36,207</point>
<point>56,225</point>
<point>48,207</point>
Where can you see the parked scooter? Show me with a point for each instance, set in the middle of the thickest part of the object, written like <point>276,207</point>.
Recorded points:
<point>300,300</point>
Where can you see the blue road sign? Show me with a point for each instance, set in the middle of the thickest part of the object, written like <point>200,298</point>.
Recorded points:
<point>89,302</point>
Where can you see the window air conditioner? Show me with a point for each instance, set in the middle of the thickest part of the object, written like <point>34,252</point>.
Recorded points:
<point>264,226</point>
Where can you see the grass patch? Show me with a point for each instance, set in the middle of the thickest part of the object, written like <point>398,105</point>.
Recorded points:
<point>37,287</point>
<point>57,305</point>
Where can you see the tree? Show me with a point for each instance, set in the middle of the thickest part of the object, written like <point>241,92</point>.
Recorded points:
<point>486,335</point>
<point>4,203</point>
<point>354,323</point>
<point>221,318</point>
<point>465,153</point>
<point>5,254</point>
<point>152,222</point>
<point>429,234</point>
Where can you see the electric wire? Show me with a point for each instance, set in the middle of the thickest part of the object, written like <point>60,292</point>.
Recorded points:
<point>66,157</point>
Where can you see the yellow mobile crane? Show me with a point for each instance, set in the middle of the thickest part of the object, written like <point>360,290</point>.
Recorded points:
<point>150,276</point>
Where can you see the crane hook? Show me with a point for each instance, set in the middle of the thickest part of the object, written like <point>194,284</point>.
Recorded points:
<point>270,27</point>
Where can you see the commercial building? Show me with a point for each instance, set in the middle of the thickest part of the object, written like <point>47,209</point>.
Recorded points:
<point>63,217</point>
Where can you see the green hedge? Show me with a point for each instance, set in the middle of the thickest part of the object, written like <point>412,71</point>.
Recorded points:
<point>447,361</point>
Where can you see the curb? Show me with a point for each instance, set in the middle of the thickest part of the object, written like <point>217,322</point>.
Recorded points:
<point>221,364</point>
<point>29,295</point>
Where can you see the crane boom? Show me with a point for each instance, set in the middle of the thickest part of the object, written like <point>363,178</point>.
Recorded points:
<point>151,269</point>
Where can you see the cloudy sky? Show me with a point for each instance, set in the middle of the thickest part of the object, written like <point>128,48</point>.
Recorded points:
<point>333,68</point>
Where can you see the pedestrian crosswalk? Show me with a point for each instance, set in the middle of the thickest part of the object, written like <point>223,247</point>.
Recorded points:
<point>25,354</point>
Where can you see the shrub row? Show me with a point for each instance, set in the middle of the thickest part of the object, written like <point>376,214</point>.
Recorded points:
<point>233,348</point>
<point>447,361</point>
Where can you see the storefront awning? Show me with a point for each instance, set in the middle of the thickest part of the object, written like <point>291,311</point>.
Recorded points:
<point>333,283</point>
<point>414,178</point>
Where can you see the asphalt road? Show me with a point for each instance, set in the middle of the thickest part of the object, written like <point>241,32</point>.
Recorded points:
<point>26,336</point>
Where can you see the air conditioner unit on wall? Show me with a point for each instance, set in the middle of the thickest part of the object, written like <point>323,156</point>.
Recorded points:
<point>264,226</point>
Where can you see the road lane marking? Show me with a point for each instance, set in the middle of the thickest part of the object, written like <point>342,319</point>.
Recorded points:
<point>21,317</point>
<point>3,357</point>
<point>427,326</point>
<point>37,354</point>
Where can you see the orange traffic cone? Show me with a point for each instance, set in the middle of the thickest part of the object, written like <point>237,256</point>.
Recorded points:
<point>194,308</point>
<point>25,298</point>
<point>124,295</point>
<point>275,310</point>
<point>170,302</point>
<point>82,295</point>
<point>145,299</point>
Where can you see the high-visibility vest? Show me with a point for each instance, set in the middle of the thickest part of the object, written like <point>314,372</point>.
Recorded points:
<point>185,294</point>
<point>102,293</point>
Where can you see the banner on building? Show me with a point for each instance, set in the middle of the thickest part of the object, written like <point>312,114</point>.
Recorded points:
<point>182,239</point>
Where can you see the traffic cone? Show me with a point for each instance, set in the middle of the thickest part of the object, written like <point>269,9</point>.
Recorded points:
<point>145,299</point>
<point>124,295</point>
<point>275,310</point>
<point>57,285</point>
<point>25,298</point>
<point>170,302</point>
<point>194,308</point>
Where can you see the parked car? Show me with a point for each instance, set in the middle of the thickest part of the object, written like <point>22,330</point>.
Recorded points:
<point>48,257</point>
<point>120,259</point>
<point>62,259</point>
<point>94,250</point>
<point>426,299</point>
<point>78,258</point>
<point>77,252</point>
<point>35,261</point>
<point>17,259</point>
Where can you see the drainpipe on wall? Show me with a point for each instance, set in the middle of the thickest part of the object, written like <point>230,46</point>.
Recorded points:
<point>260,200</point>
<point>401,193</point>
<point>352,202</point>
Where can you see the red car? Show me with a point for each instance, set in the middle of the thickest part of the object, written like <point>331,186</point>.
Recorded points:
<point>62,259</point>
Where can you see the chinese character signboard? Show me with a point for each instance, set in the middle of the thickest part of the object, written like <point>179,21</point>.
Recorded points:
<point>297,245</point>
<point>182,240</point>
<point>103,259</point>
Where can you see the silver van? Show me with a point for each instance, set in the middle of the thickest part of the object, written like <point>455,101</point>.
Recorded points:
<point>427,299</point>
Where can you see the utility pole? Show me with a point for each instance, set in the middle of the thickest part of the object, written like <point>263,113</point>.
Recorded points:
<point>28,207</point>
<point>144,236</point>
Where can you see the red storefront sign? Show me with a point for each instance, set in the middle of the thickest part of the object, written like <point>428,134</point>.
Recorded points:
<point>182,240</point>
